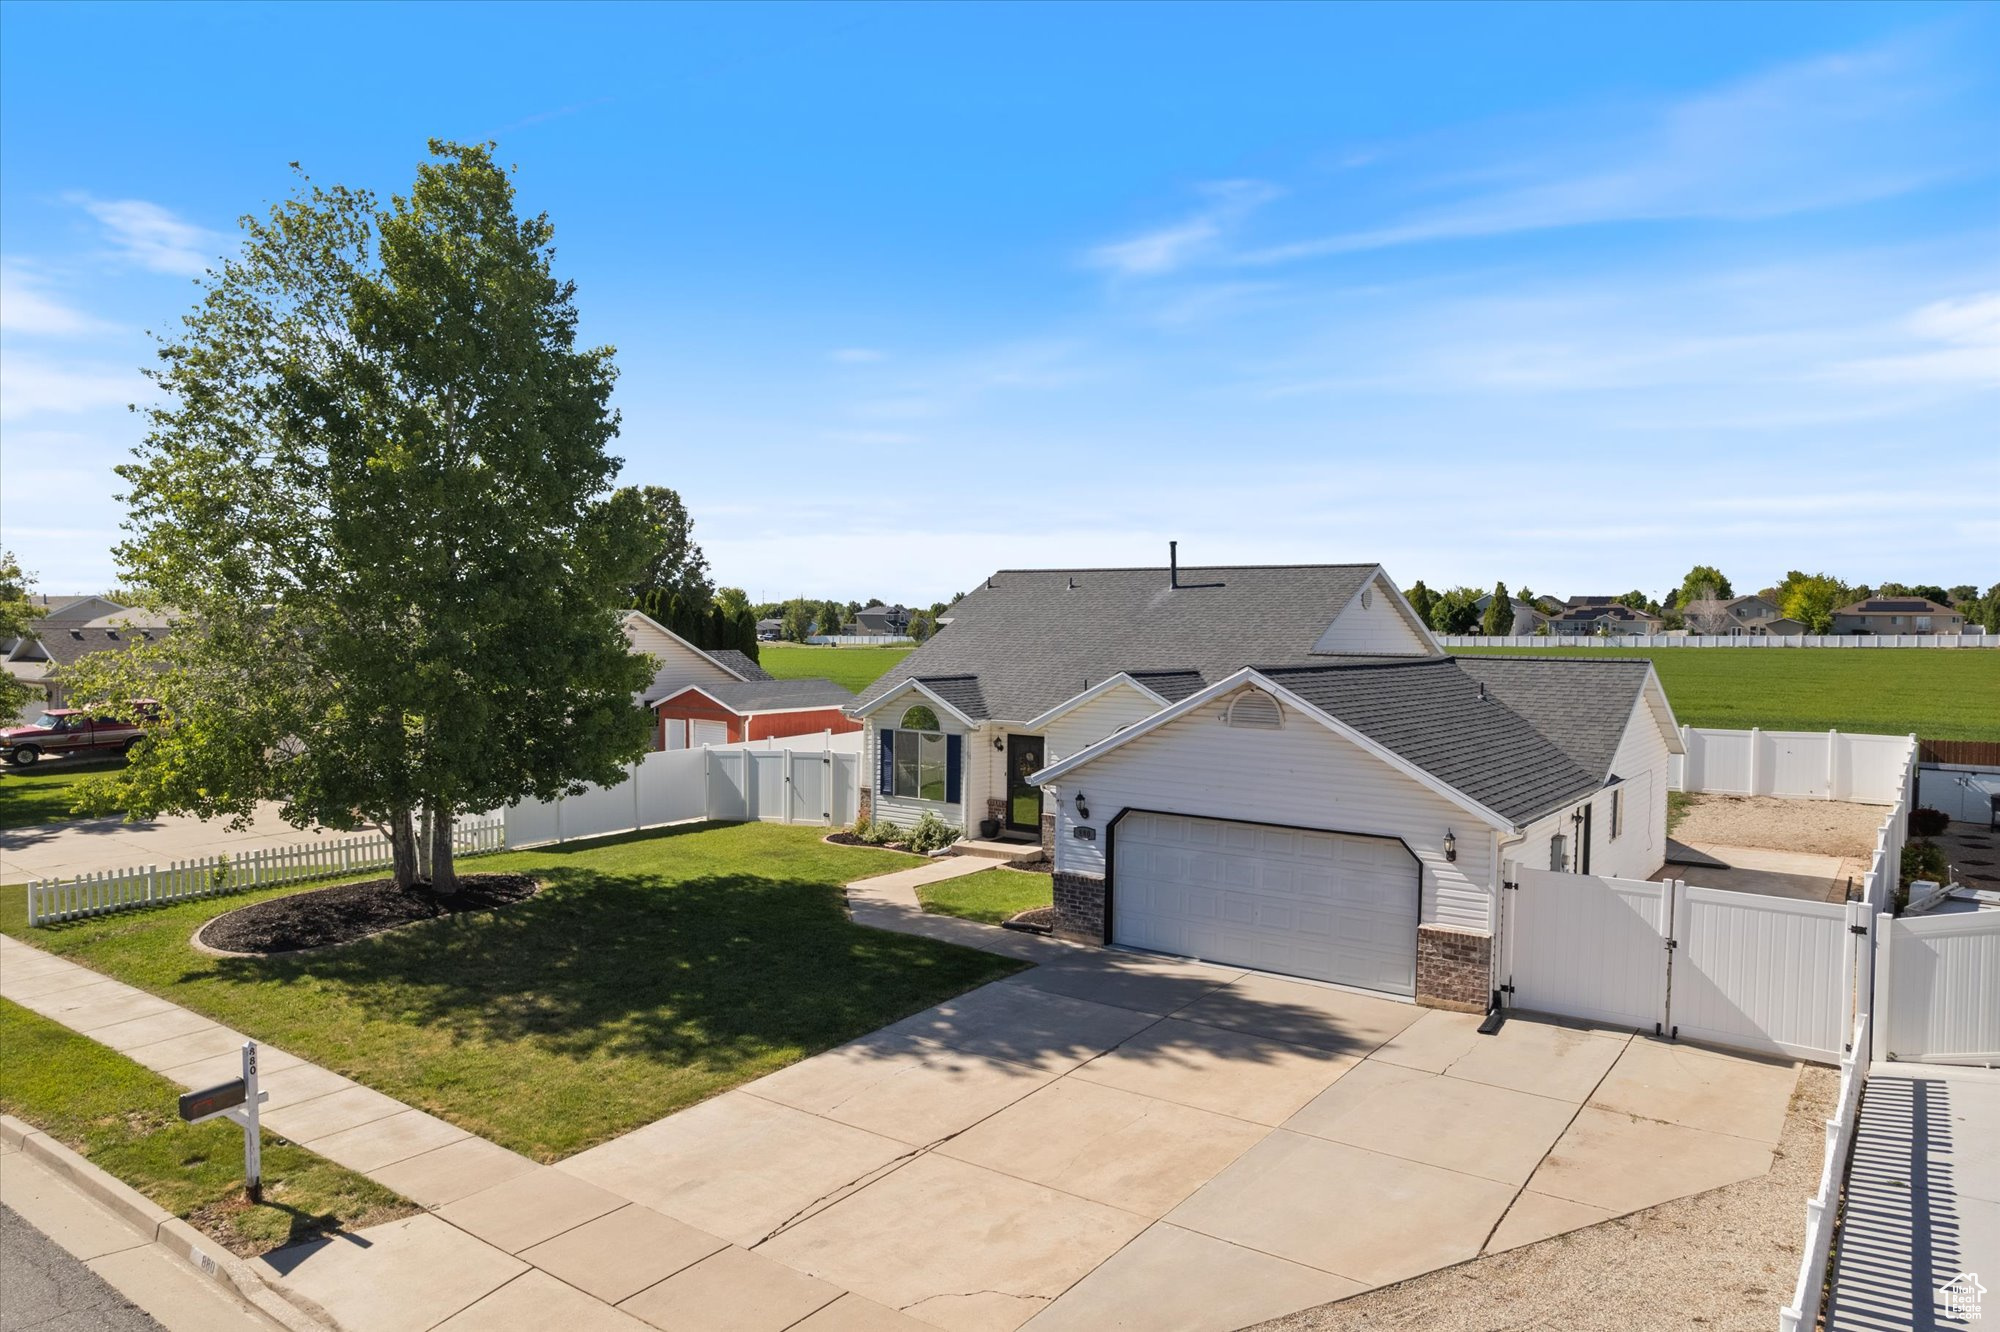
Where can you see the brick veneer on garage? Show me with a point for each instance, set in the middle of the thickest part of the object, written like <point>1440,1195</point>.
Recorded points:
<point>864,805</point>
<point>1454,968</point>
<point>1079,903</point>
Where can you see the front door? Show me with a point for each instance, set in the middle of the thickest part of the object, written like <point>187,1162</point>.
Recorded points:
<point>1024,801</point>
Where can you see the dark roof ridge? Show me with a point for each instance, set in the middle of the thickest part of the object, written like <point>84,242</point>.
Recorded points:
<point>1162,568</point>
<point>1356,664</point>
<point>1567,656</point>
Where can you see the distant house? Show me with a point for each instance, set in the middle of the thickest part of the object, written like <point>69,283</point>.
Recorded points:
<point>769,631</point>
<point>42,658</point>
<point>1740,616</point>
<point>722,697</point>
<point>1528,616</point>
<point>881,619</point>
<point>1602,617</point>
<point>1897,615</point>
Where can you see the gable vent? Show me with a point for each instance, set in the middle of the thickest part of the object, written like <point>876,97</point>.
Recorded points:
<point>1254,710</point>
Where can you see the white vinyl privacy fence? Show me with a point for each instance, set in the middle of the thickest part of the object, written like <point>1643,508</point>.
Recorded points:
<point>1802,765</point>
<point>1938,988</point>
<point>1771,642</point>
<point>814,786</point>
<point>52,900</point>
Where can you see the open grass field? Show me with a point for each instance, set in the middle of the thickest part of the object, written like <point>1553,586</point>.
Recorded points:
<point>989,896</point>
<point>43,793</point>
<point>854,667</point>
<point>1936,693</point>
<point>121,1116</point>
<point>651,972</point>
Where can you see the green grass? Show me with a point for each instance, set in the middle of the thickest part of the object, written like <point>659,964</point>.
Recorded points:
<point>990,896</point>
<point>1935,693</point>
<point>122,1117</point>
<point>1679,803</point>
<point>854,667</point>
<point>653,971</point>
<point>44,793</point>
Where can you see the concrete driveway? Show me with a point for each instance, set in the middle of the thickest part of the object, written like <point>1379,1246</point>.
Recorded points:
<point>85,846</point>
<point>1118,1141</point>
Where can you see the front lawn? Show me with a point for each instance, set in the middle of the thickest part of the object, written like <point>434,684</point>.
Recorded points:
<point>854,667</point>
<point>121,1116</point>
<point>1935,693</point>
<point>44,793</point>
<point>990,895</point>
<point>653,971</point>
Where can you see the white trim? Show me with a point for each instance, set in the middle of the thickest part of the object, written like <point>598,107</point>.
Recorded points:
<point>1662,709</point>
<point>1097,690</point>
<point>721,666</point>
<point>1248,676</point>
<point>920,687</point>
<point>735,711</point>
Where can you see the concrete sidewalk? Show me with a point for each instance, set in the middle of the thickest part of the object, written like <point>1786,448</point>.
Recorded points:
<point>1923,1199</point>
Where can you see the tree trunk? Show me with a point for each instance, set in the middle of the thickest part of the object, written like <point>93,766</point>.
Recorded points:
<point>403,849</point>
<point>424,874</point>
<point>444,874</point>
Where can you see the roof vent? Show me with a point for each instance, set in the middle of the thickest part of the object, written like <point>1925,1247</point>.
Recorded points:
<point>77,634</point>
<point>1072,584</point>
<point>1173,564</point>
<point>1254,710</point>
<point>1482,691</point>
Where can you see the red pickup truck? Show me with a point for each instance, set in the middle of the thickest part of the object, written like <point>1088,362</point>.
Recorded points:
<point>66,731</point>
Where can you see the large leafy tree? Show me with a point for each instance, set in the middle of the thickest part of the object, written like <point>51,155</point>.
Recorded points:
<point>1704,582</point>
<point>1812,598</point>
<point>377,489</point>
<point>673,565</point>
<point>16,613</point>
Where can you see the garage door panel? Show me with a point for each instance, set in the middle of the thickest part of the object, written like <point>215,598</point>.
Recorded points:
<point>1326,905</point>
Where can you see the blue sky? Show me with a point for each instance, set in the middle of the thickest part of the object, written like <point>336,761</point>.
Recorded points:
<point>1562,295</point>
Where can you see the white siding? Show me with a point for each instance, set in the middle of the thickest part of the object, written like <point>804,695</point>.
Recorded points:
<point>1301,775</point>
<point>1642,761</point>
<point>1082,727</point>
<point>906,812</point>
<point>675,664</point>
<point>1377,628</point>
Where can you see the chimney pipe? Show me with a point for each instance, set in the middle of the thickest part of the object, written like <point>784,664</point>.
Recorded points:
<point>1173,564</point>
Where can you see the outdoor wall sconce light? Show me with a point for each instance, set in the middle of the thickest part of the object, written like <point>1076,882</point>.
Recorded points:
<point>1082,810</point>
<point>999,742</point>
<point>1450,845</point>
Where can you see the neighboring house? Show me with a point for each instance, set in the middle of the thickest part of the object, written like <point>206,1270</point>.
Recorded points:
<point>1753,615</point>
<point>1603,616</point>
<point>721,696</point>
<point>42,659</point>
<point>1272,766</point>
<point>1897,615</point>
<point>767,709</point>
<point>770,630</point>
<point>1529,618</point>
<point>880,619</point>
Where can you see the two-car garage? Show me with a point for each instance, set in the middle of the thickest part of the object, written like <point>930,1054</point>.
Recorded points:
<point>1331,906</point>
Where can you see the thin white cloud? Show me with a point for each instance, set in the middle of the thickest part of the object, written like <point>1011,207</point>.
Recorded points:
<point>1153,253</point>
<point>154,237</point>
<point>1817,134</point>
<point>35,386</point>
<point>1969,328</point>
<point>27,306</point>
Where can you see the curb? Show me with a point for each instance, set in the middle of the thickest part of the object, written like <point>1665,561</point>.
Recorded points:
<point>164,1229</point>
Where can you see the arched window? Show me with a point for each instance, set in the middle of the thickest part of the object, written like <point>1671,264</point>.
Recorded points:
<point>1254,710</point>
<point>920,718</point>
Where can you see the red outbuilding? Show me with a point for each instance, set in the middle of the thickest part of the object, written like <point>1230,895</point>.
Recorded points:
<point>728,714</point>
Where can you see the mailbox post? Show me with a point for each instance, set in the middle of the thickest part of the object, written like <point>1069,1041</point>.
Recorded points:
<point>238,1102</point>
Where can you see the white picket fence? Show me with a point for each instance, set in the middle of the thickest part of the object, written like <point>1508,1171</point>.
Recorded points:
<point>813,786</point>
<point>52,900</point>
<point>1803,765</point>
<point>1822,1209</point>
<point>1719,640</point>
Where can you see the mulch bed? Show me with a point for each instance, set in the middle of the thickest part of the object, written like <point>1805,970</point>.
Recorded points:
<point>849,839</point>
<point>352,911</point>
<point>1039,865</point>
<point>1035,920</point>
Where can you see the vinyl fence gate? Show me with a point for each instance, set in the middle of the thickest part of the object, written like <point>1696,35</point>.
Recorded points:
<point>1769,974</point>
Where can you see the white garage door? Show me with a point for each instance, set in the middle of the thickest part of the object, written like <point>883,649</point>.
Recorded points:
<point>702,734</point>
<point>1292,900</point>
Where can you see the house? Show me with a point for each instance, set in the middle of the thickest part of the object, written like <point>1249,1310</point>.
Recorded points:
<point>1897,615</point>
<point>1529,618</point>
<point>719,696</point>
<point>881,619</point>
<point>766,709</point>
<point>1270,766</point>
<point>769,631</point>
<point>40,659</point>
<point>1755,615</point>
<point>1602,617</point>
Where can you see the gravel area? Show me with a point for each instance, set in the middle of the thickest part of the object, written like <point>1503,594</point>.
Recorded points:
<point>352,911</point>
<point>1822,827</point>
<point>1718,1261</point>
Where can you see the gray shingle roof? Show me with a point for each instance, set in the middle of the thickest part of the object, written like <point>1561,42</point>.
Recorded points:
<point>740,663</point>
<point>65,643</point>
<point>961,691</point>
<point>1543,736</point>
<point>769,695</point>
<point>1034,637</point>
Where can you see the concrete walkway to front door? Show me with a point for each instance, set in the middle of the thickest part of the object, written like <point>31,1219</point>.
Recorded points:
<point>1105,1140</point>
